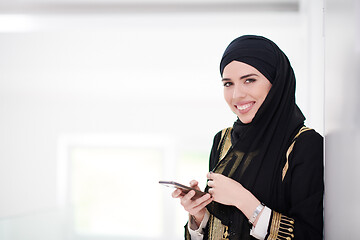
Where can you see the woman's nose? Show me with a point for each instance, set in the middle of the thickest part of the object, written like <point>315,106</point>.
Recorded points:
<point>239,91</point>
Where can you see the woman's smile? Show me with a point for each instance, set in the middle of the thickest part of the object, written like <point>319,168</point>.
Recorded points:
<point>245,89</point>
<point>244,107</point>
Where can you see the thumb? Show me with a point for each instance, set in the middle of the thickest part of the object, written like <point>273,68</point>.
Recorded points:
<point>194,183</point>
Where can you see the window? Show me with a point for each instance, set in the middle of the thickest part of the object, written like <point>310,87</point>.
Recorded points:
<point>110,185</point>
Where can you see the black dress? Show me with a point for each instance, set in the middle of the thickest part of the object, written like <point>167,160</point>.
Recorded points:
<point>255,154</point>
<point>297,202</point>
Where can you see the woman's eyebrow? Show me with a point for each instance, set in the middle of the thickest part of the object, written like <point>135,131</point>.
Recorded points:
<point>249,75</point>
<point>242,77</point>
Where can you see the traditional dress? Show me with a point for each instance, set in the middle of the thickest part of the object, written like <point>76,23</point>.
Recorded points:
<point>278,160</point>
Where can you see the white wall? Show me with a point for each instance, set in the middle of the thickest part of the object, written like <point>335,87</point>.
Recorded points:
<point>121,74</point>
<point>342,130</point>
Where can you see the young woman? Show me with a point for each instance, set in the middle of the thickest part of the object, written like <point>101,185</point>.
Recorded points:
<point>266,172</point>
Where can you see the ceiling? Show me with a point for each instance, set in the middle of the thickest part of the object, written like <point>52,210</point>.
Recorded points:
<point>151,6</point>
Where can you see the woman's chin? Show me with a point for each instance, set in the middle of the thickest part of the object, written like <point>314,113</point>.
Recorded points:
<point>245,120</point>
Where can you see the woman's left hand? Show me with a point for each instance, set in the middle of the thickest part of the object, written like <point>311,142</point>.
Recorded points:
<point>224,189</point>
<point>230,192</point>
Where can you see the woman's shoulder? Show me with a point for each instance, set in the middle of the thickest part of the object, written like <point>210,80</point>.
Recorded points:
<point>309,137</point>
<point>308,145</point>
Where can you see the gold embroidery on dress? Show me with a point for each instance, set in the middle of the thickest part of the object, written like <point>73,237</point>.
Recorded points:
<point>239,156</point>
<point>275,224</point>
<point>286,167</point>
<point>226,155</point>
<point>247,162</point>
<point>282,227</point>
<point>225,146</point>
<point>226,234</point>
<point>217,230</point>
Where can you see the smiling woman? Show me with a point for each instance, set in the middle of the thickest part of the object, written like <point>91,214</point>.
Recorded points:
<point>266,170</point>
<point>91,69</point>
<point>245,89</point>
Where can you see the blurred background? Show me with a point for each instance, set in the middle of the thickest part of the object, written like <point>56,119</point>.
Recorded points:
<point>99,100</point>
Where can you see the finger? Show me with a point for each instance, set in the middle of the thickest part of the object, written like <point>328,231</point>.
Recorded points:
<point>211,191</point>
<point>202,199</point>
<point>194,203</point>
<point>210,183</point>
<point>176,193</point>
<point>194,183</point>
<point>197,187</point>
<point>202,205</point>
<point>187,202</point>
<point>211,175</point>
<point>187,197</point>
<point>190,197</point>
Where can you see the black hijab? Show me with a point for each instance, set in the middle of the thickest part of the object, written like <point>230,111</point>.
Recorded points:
<point>259,148</point>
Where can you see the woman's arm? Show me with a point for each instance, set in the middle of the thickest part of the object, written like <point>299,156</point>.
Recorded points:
<point>304,184</point>
<point>197,232</point>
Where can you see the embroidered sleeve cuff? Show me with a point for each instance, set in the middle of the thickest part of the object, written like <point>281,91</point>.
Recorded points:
<point>198,233</point>
<point>262,225</point>
<point>281,227</point>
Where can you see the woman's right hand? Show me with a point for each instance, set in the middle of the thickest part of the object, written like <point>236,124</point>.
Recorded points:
<point>195,207</point>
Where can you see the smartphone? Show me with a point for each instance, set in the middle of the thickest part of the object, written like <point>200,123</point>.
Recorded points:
<point>184,189</point>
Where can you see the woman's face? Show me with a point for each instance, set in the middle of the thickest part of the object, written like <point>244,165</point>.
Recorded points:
<point>245,89</point>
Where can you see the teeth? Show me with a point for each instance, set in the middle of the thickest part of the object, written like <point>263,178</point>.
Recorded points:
<point>243,107</point>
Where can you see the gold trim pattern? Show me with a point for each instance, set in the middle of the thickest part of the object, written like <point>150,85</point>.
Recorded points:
<point>226,142</point>
<point>217,230</point>
<point>286,167</point>
<point>282,227</point>
<point>226,234</point>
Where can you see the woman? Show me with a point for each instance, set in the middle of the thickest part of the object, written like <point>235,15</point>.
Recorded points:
<point>266,172</point>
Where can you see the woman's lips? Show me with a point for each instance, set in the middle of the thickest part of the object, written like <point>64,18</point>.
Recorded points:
<point>245,107</point>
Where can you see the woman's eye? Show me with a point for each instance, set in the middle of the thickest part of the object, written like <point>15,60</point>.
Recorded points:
<point>227,84</point>
<point>250,80</point>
